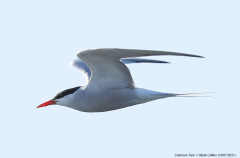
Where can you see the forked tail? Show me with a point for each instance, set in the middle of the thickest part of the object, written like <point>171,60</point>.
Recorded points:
<point>190,94</point>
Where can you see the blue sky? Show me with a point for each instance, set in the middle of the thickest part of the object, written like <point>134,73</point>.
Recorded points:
<point>40,38</point>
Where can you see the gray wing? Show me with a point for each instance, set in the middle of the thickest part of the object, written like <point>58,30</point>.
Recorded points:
<point>80,65</point>
<point>107,72</point>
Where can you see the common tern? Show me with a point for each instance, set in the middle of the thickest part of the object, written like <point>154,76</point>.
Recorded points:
<point>109,82</point>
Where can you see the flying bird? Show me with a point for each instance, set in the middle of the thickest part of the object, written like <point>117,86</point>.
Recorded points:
<point>109,82</point>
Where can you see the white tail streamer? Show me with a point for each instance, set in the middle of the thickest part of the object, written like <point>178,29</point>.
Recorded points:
<point>189,94</point>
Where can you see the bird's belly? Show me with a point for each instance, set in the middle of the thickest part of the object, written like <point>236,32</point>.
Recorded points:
<point>107,100</point>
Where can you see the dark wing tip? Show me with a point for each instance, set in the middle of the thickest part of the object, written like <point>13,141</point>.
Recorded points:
<point>165,62</point>
<point>198,56</point>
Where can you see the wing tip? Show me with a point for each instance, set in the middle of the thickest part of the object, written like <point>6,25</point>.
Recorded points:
<point>198,56</point>
<point>165,62</point>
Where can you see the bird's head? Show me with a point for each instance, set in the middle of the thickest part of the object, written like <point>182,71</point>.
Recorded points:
<point>61,98</point>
